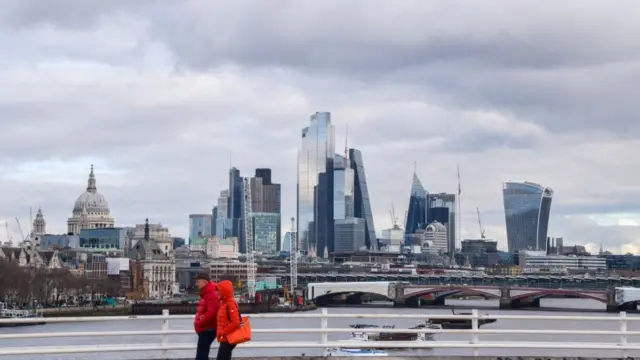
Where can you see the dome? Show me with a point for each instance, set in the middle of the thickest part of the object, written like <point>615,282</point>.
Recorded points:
<point>91,199</point>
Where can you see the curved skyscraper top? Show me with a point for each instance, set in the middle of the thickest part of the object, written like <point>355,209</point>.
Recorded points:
<point>527,207</point>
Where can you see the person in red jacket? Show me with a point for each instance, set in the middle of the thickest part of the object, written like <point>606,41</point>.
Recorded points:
<point>228,319</point>
<point>206,320</point>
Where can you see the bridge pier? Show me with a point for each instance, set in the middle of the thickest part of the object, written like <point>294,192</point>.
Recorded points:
<point>519,303</point>
<point>354,299</point>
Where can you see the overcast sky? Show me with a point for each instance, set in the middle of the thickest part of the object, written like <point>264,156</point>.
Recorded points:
<point>162,95</point>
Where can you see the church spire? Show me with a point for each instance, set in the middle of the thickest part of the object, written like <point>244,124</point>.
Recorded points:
<point>91,185</point>
<point>146,229</point>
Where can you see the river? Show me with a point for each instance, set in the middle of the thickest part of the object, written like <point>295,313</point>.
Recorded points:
<point>311,323</point>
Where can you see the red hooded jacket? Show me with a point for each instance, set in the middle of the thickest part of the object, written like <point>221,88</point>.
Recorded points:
<point>229,314</point>
<point>207,313</point>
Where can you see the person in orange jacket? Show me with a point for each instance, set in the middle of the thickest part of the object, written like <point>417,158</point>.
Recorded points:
<point>228,319</point>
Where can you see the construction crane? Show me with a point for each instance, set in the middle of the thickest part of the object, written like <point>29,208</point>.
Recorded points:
<point>248,239</point>
<point>293,258</point>
<point>20,228</point>
<point>394,219</point>
<point>480,224</point>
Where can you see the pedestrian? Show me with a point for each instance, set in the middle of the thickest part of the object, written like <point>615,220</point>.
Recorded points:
<point>206,320</point>
<point>228,319</point>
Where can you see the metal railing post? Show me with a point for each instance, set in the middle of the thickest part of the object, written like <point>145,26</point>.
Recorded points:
<point>324,324</point>
<point>475,338</point>
<point>623,330</point>
<point>165,337</point>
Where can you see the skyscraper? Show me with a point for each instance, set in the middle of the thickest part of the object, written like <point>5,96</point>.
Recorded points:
<point>527,207</point>
<point>348,232</point>
<point>223,225</point>
<point>199,226</point>
<point>417,212</point>
<point>235,207</point>
<point>362,203</point>
<point>316,152</point>
<point>266,207</point>
<point>442,208</point>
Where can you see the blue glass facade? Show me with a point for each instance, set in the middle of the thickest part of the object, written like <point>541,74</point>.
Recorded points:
<point>286,244</point>
<point>417,212</point>
<point>265,232</point>
<point>199,226</point>
<point>527,208</point>
<point>104,238</point>
<point>362,203</point>
<point>235,208</point>
<point>48,241</point>
<point>317,150</point>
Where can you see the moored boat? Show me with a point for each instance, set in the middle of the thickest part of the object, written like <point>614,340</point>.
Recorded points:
<point>454,323</point>
<point>16,314</point>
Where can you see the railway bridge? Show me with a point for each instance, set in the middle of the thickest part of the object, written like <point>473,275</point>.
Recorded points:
<point>408,295</point>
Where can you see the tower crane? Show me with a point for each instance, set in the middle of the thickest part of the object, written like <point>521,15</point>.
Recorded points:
<point>293,258</point>
<point>394,219</point>
<point>20,228</point>
<point>480,224</point>
<point>248,236</point>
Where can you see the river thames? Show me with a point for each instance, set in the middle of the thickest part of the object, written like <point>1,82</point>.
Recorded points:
<point>422,313</point>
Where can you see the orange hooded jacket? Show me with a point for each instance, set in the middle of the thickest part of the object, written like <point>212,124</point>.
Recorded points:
<point>229,313</point>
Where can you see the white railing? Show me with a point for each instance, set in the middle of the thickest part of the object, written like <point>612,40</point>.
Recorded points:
<point>473,342</point>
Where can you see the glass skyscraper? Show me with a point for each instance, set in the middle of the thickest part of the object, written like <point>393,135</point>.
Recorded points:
<point>266,227</point>
<point>362,203</point>
<point>442,208</point>
<point>417,213</point>
<point>527,207</point>
<point>199,226</point>
<point>317,150</point>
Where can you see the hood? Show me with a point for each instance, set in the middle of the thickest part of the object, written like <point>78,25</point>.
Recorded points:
<point>207,289</point>
<point>225,288</point>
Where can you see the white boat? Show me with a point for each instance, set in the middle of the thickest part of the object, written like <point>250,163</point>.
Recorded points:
<point>6,313</point>
<point>340,352</point>
<point>381,336</point>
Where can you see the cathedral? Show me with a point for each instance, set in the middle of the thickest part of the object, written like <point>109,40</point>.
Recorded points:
<point>91,210</point>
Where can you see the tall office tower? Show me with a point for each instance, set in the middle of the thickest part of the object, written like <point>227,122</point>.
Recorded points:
<point>362,202</point>
<point>316,152</point>
<point>266,205</point>
<point>214,220</point>
<point>223,225</point>
<point>199,226</point>
<point>286,243</point>
<point>348,231</point>
<point>442,208</point>
<point>235,207</point>
<point>417,212</point>
<point>527,207</point>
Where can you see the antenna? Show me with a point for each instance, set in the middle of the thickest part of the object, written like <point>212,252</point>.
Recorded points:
<point>415,167</point>
<point>346,142</point>
<point>459,215</point>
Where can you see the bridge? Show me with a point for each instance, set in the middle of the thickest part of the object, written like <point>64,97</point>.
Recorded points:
<point>511,336</point>
<point>533,281</point>
<point>409,295</point>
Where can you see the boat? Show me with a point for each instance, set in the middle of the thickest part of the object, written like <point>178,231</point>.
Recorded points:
<point>454,323</point>
<point>341,352</point>
<point>6,313</point>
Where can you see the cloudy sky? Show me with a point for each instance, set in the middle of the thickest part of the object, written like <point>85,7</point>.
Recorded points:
<point>162,95</point>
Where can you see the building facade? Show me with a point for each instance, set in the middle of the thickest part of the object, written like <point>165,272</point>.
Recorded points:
<point>362,201</point>
<point>235,207</point>
<point>316,151</point>
<point>160,235</point>
<point>442,208</point>
<point>435,238</point>
<point>223,225</point>
<point>154,271</point>
<point>91,210</point>
<point>349,235</point>
<point>103,239</point>
<point>527,208</point>
<point>199,226</point>
<point>266,228</point>
<point>417,212</point>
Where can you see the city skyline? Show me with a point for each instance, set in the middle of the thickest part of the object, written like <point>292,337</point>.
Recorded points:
<point>162,121</point>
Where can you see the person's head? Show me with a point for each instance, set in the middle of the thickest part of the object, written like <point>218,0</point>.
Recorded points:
<point>225,290</point>
<point>202,280</point>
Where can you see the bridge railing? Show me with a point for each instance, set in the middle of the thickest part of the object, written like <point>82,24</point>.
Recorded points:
<point>472,342</point>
